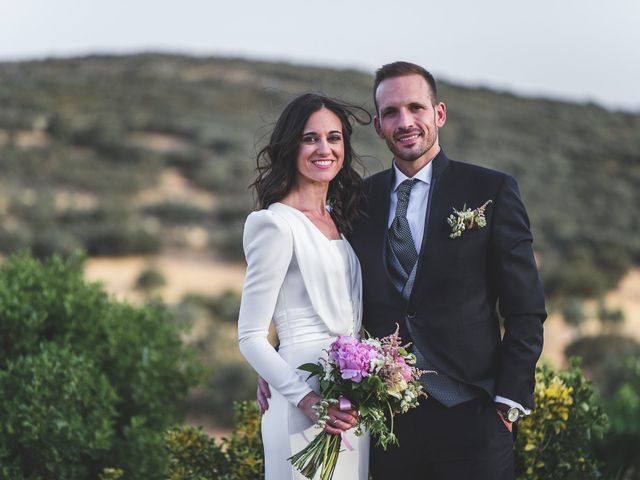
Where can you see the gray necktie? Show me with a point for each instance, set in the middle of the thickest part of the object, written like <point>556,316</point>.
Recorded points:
<point>400,237</point>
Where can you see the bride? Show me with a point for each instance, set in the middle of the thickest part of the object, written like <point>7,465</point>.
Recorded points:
<point>303,275</point>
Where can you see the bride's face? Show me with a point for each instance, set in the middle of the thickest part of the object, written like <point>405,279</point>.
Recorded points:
<point>321,152</point>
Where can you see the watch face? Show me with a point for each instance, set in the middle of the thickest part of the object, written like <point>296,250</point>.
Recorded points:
<point>513,414</point>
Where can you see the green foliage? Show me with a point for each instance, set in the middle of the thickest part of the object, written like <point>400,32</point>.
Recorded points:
<point>150,278</point>
<point>111,474</point>
<point>603,359</point>
<point>110,229</point>
<point>610,318</point>
<point>177,213</point>
<point>229,240</point>
<point>620,446</point>
<point>244,448</point>
<point>572,310</point>
<point>556,441</point>
<point>57,412</point>
<point>195,456</point>
<point>225,307</point>
<point>118,373</point>
<point>229,222</point>
<point>230,380</point>
<point>613,363</point>
<point>108,239</point>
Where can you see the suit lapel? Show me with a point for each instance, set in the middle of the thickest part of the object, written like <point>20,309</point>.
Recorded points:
<point>436,196</point>
<point>380,201</point>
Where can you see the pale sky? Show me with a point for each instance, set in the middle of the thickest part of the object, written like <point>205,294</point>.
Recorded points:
<point>583,50</point>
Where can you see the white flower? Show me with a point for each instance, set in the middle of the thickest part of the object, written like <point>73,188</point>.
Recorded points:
<point>374,342</point>
<point>376,364</point>
<point>467,219</point>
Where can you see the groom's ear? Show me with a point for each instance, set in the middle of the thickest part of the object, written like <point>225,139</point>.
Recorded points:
<point>376,125</point>
<point>441,114</point>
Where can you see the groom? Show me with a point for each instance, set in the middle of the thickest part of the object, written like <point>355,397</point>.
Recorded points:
<point>444,279</point>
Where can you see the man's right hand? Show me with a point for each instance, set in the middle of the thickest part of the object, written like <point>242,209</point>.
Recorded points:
<point>263,395</point>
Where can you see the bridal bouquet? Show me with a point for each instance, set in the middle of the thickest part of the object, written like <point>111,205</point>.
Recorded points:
<point>377,376</point>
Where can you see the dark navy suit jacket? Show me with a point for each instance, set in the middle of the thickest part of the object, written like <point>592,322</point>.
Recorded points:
<point>461,284</point>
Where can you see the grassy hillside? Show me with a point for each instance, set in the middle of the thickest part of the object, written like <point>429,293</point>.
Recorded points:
<point>91,151</point>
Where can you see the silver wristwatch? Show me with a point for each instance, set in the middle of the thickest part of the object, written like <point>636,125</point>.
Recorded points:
<point>511,414</point>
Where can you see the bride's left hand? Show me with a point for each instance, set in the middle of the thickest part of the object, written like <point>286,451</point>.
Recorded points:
<point>340,420</point>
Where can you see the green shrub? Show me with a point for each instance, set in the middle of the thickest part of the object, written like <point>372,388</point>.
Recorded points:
<point>228,174</point>
<point>228,239</point>
<point>177,213</point>
<point>57,413</point>
<point>244,449</point>
<point>193,455</point>
<point>229,220</point>
<point>556,441</point>
<point>136,352</point>
<point>114,239</point>
<point>13,240</point>
<point>603,359</point>
<point>620,446</point>
<point>572,310</point>
<point>52,241</point>
<point>229,381</point>
<point>612,362</point>
<point>149,279</point>
<point>225,306</point>
<point>110,229</point>
<point>609,317</point>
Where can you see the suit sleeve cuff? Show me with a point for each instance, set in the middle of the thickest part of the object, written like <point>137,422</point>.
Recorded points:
<point>511,403</point>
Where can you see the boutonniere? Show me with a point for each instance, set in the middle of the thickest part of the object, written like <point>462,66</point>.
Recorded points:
<point>467,219</point>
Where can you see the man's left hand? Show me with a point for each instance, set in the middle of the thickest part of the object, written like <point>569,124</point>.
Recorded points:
<point>507,423</point>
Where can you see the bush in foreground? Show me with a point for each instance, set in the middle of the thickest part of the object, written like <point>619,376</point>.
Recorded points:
<point>620,446</point>
<point>612,362</point>
<point>86,383</point>
<point>193,455</point>
<point>556,441</point>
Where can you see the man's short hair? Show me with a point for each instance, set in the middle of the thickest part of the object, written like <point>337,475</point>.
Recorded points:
<point>401,69</point>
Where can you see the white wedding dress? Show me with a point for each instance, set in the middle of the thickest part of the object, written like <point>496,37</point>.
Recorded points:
<point>310,287</point>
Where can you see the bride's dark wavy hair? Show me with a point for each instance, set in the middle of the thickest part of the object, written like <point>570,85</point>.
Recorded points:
<point>276,162</point>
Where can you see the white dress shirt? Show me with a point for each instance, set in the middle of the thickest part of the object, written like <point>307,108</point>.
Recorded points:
<point>416,213</point>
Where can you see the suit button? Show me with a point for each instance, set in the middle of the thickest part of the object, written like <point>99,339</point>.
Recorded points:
<point>411,314</point>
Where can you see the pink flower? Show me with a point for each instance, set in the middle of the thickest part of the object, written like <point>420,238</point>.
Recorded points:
<point>352,357</point>
<point>406,370</point>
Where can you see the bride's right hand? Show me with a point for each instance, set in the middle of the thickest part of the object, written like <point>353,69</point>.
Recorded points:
<point>339,421</point>
<point>263,394</point>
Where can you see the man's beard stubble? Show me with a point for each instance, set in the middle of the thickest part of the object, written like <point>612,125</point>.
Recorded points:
<point>411,156</point>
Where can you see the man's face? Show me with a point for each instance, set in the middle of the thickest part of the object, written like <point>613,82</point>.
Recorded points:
<point>408,121</point>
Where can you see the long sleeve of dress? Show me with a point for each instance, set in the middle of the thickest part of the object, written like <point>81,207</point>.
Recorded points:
<point>268,247</point>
